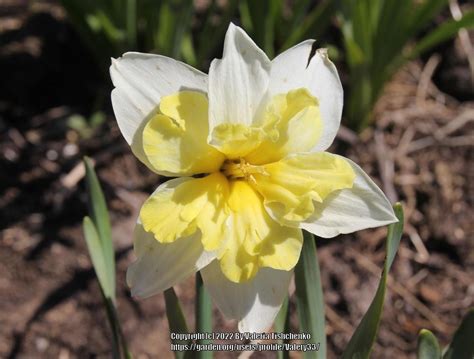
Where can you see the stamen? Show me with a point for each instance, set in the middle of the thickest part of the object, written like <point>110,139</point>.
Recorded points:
<point>239,168</point>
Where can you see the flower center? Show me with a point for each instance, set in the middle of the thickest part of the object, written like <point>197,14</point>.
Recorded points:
<point>240,168</point>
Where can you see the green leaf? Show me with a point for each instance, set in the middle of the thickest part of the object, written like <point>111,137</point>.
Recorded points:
<point>298,11</point>
<point>428,346</point>
<point>99,245</point>
<point>203,315</point>
<point>98,261</point>
<point>166,22</point>
<point>184,15</point>
<point>355,55</point>
<point>176,320</point>
<point>259,18</point>
<point>462,346</point>
<point>96,253</point>
<point>131,24</point>
<point>97,119</point>
<point>281,318</point>
<point>174,22</point>
<point>212,34</point>
<point>309,297</point>
<point>282,325</point>
<point>119,344</point>
<point>312,26</point>
<point>99,212</point>
<point>376,35</point>
<point>364,336</point>
<point>442,33</point>
<point>187,50</point>
<point>245,17</point>
<point>105,24</point>
<point>100,218</point>
<point>394,236</point>
<point>425,12</point>
<point>92,20</point>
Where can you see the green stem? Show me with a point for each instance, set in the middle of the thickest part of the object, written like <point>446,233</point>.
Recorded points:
<point>282,325</point>
<point>176,320</point>
<point>203,315</point>
<point>121,336</point>
<point>114,326</point>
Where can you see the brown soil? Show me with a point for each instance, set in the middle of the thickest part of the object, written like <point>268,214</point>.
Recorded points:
<point>419,151</point>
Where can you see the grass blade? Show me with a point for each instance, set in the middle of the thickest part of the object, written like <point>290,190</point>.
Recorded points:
<point>364,336</point>
<point>428,346</point>
<point>309,296</point>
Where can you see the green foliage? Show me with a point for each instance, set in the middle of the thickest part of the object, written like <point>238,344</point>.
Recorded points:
<point>176,321</point>
<point>307,23</point>
<point>376,38</point>
<point>110,28</point>
<point>86,127</point>
<point>276,27</point>
<point>211,34</point>
<point>309,297</point>
<point>95,248</point>
<point>462,345</point>
<point>203,314</point>
<point>310,302</point>
<point>98,238</point>
<point>428,346</point>
<point>174,19</point>
<point>282,325</point>
<point>98,233</point>
<point>363,339</point>
<point>261,18</point>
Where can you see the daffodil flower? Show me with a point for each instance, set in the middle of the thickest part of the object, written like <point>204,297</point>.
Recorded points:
<point>246,143</point>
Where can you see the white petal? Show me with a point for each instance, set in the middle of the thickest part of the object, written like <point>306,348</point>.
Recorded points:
<point>290,70</point>
<point>238,82</point>
<point>349,210</point>
<point>255,303</point>
<point>140,81</point>
<point>160,266</point>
